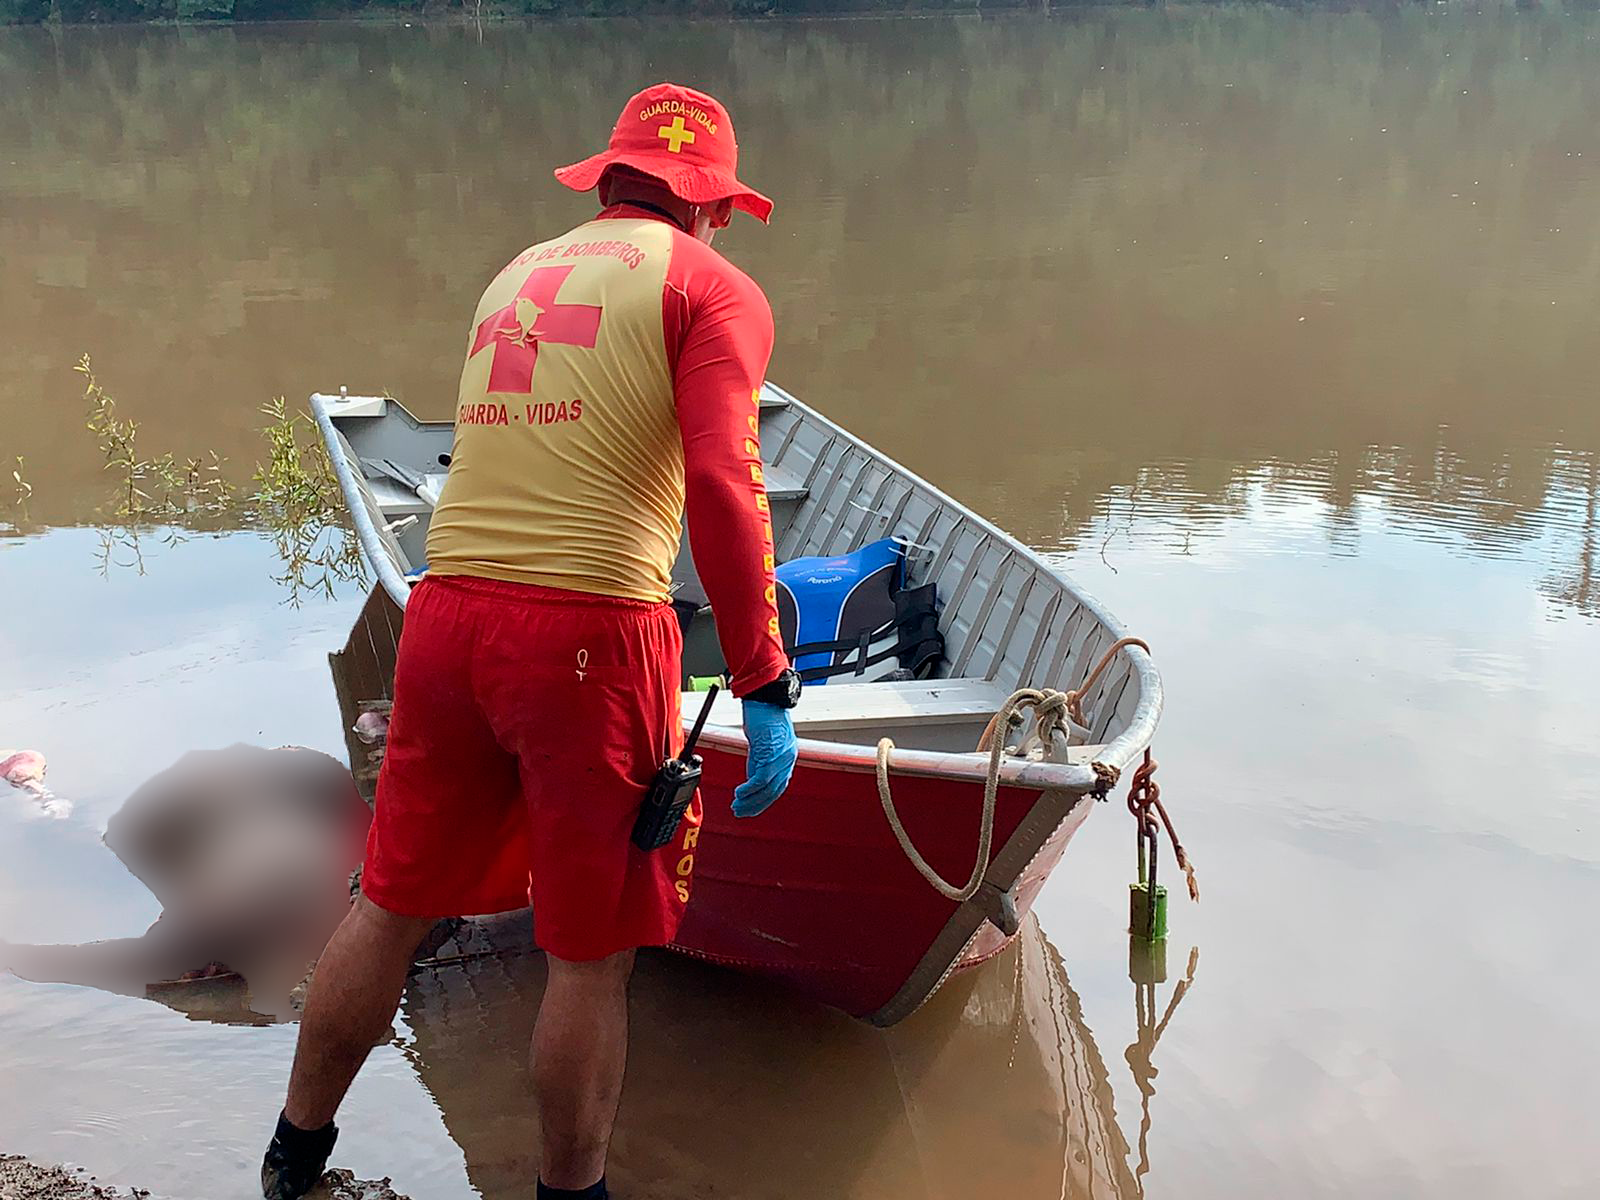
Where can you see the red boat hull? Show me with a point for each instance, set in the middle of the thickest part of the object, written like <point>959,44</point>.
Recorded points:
<point>816,892</point>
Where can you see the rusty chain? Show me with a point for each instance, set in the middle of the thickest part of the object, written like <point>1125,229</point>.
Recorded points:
<point>1144,802</point>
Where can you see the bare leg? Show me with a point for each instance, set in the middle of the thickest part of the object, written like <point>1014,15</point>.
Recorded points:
<point>580,1051</point>
<point>354,993</point>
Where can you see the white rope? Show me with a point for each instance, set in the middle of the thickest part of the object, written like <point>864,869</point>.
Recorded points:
<point>1054,713</point>
<point>1047,703</point>
<point>985,829</point>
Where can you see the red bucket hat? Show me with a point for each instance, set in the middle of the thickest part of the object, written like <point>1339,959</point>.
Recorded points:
<point>683,138</point>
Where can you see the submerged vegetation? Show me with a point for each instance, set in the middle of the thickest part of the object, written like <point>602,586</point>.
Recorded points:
<point>296,500</point>
<point>175,490</point>
<point>147,492</point>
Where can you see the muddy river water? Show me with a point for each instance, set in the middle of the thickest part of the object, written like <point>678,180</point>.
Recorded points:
<point>1277,330</point>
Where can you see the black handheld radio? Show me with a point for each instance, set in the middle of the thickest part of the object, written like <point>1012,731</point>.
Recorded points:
<point>672,789</point>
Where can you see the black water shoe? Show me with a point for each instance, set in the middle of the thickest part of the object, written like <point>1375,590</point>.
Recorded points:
<point>295,1160</point>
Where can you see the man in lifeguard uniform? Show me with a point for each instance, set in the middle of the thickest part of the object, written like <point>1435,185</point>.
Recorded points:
<point>611,384</point>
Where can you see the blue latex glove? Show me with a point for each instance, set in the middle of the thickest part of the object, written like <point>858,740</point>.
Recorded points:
<point>770,732</point>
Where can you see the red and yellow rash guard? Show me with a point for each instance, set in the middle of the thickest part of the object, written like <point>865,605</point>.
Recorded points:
<point>611,381</point>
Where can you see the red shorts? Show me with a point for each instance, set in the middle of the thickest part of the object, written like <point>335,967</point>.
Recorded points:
<point>528,723</point>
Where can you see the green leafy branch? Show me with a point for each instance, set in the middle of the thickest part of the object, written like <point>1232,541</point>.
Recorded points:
<point>149,490</point>
<point>298,498</point>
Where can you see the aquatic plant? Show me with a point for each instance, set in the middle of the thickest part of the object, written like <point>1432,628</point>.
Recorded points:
<point>24,489</point>
<point>174,489</point>
<point>148,491</point>
<point>298,499</point>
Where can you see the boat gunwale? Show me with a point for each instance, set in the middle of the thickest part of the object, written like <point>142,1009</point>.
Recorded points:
<point>1078,778</point>
<point>367,536</point>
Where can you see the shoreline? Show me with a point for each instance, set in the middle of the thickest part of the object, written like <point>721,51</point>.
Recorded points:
<point>35,14</point>
<point>464,19</point>
<point>23,1179</point>
<point>217,14</point>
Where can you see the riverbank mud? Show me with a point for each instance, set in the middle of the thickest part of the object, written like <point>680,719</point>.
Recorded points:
<point>24,1180</point>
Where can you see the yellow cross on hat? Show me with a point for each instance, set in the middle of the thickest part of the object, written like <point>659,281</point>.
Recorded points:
<point>676,135</point>
<point>650,136</point>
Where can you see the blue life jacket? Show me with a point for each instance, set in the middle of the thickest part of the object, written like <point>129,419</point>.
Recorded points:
<point>849,614</point>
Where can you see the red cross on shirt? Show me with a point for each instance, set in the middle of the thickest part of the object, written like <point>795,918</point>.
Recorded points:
<point>533,316</point>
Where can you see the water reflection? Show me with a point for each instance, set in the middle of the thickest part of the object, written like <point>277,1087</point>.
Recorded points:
<point>1339,253</point>
<point>1557,530</point>
<point>1572,582</point>
<point>734,1088</point>
<point>143,1097</point>
<point>1060,268</point>
<point>1150,1022</point>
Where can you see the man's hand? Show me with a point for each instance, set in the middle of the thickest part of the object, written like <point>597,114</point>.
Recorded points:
<point>770,732</point>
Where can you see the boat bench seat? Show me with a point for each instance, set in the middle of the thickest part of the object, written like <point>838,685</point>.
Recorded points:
<point>395,500</point>
<point>784,484</point>
<point>842,707</point>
